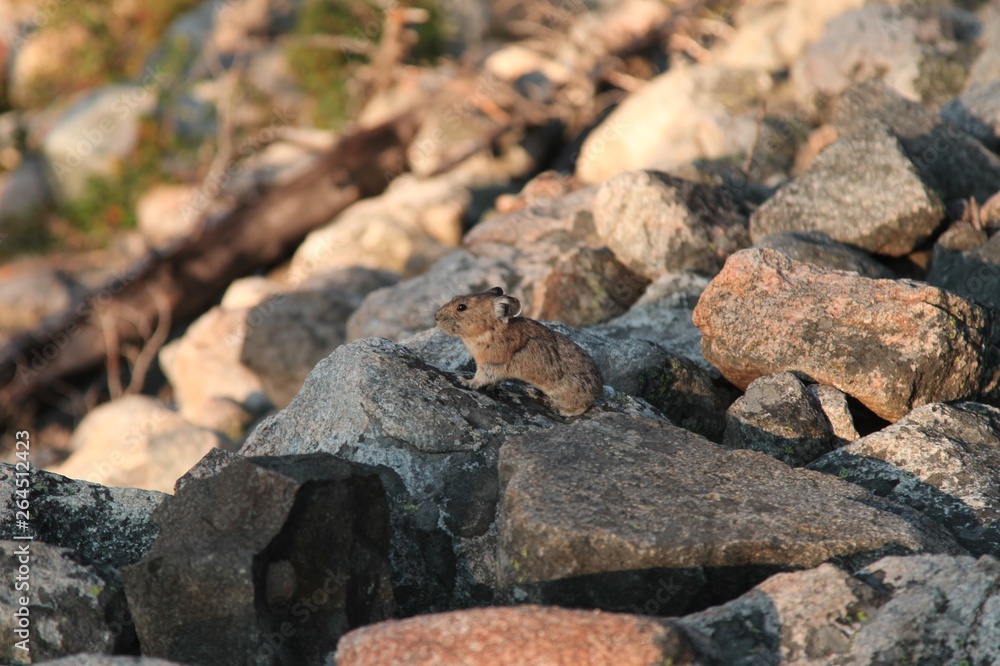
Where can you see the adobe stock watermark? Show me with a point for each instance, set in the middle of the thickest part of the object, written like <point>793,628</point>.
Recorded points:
<point>86,312</point>
<point>303,610</point>
<point>19,33</point>
<point>666,592</point>
<point>125,105</point>
<point>216,182</point>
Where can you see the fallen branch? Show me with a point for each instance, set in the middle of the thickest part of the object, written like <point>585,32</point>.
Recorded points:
<point>190,278</point>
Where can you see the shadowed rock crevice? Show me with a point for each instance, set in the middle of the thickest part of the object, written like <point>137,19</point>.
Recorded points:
<point>234,575</point>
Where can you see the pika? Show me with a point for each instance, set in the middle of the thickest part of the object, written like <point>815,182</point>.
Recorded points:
<point>506,346</point>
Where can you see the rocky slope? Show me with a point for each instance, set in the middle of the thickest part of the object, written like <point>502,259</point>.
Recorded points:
<point>780,250</point>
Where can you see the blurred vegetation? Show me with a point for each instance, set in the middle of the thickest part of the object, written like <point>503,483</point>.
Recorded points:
<point>120,37</point>
<point>329,75</point>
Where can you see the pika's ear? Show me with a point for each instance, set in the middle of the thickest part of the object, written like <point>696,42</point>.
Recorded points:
<point>495,291</point>
<point>506,307</point>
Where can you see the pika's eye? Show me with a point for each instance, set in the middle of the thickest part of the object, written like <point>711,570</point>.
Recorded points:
<point>462,307</point>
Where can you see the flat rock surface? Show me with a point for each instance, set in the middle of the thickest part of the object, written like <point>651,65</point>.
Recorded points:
<point>939,459</point>
<point>519,636</point>
<point>893,345</point>
<point>613,495</point>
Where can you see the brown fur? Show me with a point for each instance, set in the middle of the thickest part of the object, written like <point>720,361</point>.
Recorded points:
<point>506,346</point>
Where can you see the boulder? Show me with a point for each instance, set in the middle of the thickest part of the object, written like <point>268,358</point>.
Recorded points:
<point>939,459</point>
<point>204,365</point>
<point>435,444</point>
<point>949,161</point>
<point>863,191</point>
<point>92,138</point>
<point>107,525</point>
<point>602,513</point>
<point>656,223</point>
<point>520,635</point>
<point>780,417</point>
<point>136,441</point>
<point>689,112</point>
<point>109,660</point>
<point>816,247</point>
<point>540,218</point>
<point>57,585</point>
<point>36,56</point>
<point>403,231</point>
<point>893,345</point>
<point>970,270</point>
<point>834,404</point>
<point>30,293</point>
<point>935,609</point>
<point>986,66</point>
<point>773,36</point>
<point>24,194</point>
<point>921,52</point>
<point>663,315</point>
<point>286,555</point>
<point>289,333</point>
<point>977,113</point>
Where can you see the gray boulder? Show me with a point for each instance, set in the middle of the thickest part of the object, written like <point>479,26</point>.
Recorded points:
<point>435,444</point>
<point>656,223</point>
<point>921,609</point>
<point>604,513</point>
<point>663,315</point>
<point>939,459</point>
<point>815,247</point>
<point>948,160</point>
<point>112,526</point>
<point>922,52</point>
<point>977,112</point>
<point>290,333</point>
<point>45,586</point>
<point>408,307</point>
<point>862,190</point>
<point>969,271</point>
<point>92,137</point>
<point>269,561</point>
<point>779,416</point>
